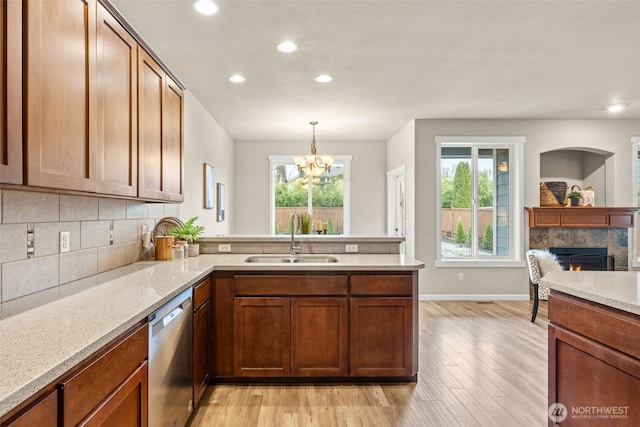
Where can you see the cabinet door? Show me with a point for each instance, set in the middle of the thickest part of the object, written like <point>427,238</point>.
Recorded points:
<point>613,379</point>
<point>11,92</point>
<point>150,90</point>
<point>126,406</point>
<point>172,152</point>
<point>117,145</point>
<point>201,338</point>
<point>381,337</point>
<point>160,128</point>
<point>319,337</point>
<point>262,337</point>
<point>60,94</point>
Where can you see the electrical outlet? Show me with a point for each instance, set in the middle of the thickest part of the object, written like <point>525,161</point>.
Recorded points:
<point>460,277</point>
<point>65,241</point>
<point>224,247</point>
<point>351,248</point>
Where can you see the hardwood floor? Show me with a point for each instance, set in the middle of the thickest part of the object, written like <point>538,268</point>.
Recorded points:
<point>481,364</point>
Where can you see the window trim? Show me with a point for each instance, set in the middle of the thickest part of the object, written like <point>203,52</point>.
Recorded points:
<point>516,208</point>
<point>346,208</point>
<point>635,147</point>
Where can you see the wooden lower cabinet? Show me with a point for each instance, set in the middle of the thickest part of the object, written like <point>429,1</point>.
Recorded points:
<point>262,337</point>
<point>594,362</point>
<point>112,385</point>
<point>42,414</point>
<point>381,337</point>
<point>107,389</point>
<point>126,405</point>
<point>319,345</point>
<point>314,325</point>
<point>202,338</point>
<point>281,337</point>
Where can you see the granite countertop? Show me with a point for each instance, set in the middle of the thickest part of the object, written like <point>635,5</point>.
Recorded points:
<point>43,335</point>
<point>367,262</point>
<point>616,289</point>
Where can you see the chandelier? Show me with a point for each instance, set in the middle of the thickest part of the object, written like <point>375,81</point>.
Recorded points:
<point>314,165</point>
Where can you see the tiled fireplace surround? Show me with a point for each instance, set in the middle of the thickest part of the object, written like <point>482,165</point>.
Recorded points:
<point>89,221</point>
<point>615,239</point>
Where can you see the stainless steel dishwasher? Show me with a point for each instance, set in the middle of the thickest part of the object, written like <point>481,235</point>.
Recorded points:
<point>171,362</point>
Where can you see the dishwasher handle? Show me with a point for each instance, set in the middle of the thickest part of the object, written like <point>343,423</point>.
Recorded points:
<point>159,325</point>
<point>171,316</point>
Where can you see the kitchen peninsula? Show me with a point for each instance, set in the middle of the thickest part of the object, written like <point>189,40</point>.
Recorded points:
<point>594,345</point>
<point>45,335</point>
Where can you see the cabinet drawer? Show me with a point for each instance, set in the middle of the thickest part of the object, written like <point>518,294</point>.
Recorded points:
<point>290,285</point>
<point>201,293</point>
<point>382,285</point>
<point>97,379</point>
<point>605,325</point>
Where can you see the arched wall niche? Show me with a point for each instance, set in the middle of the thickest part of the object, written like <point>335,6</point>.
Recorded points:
<point>583,167</point>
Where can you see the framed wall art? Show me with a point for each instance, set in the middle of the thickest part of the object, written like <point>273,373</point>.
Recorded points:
<point>209,189</point>
<point>220,201</point>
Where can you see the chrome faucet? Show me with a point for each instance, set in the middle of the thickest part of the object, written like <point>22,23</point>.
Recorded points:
<point>295,228</point>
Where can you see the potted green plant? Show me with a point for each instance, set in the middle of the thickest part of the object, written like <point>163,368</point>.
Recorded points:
<point>575,197</point>
<point>305,223</point>
<point>189,232</point>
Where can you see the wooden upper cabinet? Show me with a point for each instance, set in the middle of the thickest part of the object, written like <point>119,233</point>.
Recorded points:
<point>60,80</point>
<point>11,92</point>
<point>172,131</point>
<point>117,145</point>
<point>160,124</point>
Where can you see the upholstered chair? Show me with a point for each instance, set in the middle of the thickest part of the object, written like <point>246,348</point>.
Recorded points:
<point>540,262</point>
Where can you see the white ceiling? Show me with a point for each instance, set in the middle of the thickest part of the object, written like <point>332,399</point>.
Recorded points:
<point>396,60</point>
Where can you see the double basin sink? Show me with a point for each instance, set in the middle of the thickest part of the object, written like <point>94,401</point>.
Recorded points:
<point>285,259</point>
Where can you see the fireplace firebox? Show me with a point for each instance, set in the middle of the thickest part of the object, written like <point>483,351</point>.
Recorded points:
<point>593,259</point>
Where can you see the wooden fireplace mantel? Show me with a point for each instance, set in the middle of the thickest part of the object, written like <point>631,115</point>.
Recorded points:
<point>581,217</point>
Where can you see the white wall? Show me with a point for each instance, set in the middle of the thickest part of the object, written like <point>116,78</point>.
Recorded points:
<point>205,141</point>
<point>542,135</point>
<point>401,149</point>
<point>368,182</point>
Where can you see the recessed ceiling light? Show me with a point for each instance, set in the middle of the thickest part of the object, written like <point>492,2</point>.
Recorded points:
<point>615,108</point>
<point>237,78</point>
<point>323,78</point>
<point>287,47</point>
<point>205,7</point>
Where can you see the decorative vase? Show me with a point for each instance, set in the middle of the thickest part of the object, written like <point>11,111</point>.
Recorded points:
<point>194,249</point>
<point>574,201</point>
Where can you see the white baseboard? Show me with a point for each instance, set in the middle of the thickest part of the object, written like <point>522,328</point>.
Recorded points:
<point>481,297</point>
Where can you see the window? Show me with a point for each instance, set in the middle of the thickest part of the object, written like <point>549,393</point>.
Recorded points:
<point>325,197</point>
<point>479,200</point>
<point>635,156</point>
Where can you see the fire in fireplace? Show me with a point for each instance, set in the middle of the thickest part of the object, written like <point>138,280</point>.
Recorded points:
<point>577,259</point>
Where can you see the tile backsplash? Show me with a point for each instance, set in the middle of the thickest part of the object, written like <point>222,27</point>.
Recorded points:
<point>104,234</point>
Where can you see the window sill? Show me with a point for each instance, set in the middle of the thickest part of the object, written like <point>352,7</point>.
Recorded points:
<point>475,263</point>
